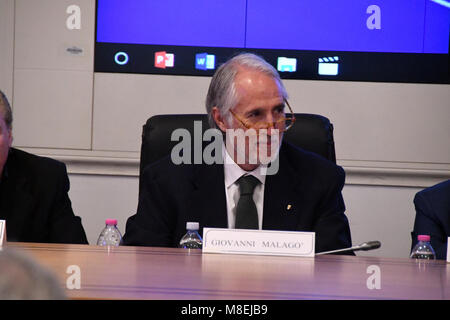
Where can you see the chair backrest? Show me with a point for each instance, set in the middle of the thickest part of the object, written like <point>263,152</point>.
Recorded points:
<point>311,132</point>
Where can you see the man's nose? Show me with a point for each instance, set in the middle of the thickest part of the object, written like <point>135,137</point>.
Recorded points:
<point>270,124</point>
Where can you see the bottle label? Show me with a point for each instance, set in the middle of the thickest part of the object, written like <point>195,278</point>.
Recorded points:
<point>261,242</point>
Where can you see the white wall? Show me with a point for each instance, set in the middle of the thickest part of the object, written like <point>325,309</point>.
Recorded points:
<point>381,213</point>
<point>6,45</point>
<point>392,139</point>
<point>96,198</point>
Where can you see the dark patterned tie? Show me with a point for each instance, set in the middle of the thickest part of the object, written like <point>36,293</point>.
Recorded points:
<point>246,213</point>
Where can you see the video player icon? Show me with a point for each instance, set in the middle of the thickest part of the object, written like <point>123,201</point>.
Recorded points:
<point>328,66</point>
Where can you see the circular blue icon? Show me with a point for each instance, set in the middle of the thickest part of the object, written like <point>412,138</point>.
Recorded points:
<point>121,58</point>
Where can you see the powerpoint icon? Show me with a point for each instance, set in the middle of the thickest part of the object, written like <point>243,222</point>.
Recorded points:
<point>164,60</point>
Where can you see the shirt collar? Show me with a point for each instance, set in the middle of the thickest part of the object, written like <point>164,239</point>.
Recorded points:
<point>233,172</point>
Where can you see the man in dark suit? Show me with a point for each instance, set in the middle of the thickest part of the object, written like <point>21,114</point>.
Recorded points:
<point>303,193</point>
<point>34,197</point>
<point>433,217</point>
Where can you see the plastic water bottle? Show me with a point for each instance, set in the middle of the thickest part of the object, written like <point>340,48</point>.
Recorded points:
<point>110,235</point>
<point>423,249</point>
<point>192,239</point>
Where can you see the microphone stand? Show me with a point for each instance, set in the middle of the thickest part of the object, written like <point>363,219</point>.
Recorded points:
<point>365,246</point>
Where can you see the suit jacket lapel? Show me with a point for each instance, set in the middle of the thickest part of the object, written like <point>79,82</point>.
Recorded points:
<point>281,208</point>
<point>208,198</point>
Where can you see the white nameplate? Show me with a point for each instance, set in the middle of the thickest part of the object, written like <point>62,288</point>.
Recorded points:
<point>448,249</point>
<point>2,232</point>
<point>261,242</point>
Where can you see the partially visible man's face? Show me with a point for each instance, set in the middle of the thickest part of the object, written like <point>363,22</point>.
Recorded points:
<point>260,101</point>
<point>5,141</point>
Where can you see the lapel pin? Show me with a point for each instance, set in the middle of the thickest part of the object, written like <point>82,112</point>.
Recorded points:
<point>289,207</point>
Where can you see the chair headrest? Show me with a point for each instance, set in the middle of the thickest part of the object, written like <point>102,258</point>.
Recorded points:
<point>311,132</point>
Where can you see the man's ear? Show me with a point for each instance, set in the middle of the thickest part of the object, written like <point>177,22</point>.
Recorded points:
<point>220,122</point>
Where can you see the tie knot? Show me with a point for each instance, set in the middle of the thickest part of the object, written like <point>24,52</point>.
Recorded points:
<point>247,184</point>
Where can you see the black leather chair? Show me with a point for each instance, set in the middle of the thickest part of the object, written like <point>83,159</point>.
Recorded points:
<point>311,132</point>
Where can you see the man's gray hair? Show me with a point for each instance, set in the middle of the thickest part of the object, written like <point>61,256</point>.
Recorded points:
<point>5,107</point>
<point>222,92</point>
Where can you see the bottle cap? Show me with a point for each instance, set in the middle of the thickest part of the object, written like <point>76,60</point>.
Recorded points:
<point>192,225</point>
<point>423,237</point>
<point>111,222</point>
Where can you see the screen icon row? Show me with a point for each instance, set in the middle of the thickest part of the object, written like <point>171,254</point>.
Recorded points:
<point>327,66</point>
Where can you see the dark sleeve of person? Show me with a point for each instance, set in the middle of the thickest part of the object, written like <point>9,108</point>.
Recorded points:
<point>153,224</point>
<point>332,227</point>
<point>427,223</point>
<point>64,226</point>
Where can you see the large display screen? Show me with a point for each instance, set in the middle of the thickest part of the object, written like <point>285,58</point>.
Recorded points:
<point>355,40</point>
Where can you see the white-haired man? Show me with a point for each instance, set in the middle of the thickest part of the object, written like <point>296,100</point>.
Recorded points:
<point>246,94</point>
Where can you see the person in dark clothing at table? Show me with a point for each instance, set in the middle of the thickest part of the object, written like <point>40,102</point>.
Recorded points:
<point>34,198</point>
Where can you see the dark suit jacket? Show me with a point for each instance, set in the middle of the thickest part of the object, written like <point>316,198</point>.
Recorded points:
<point>433,217</point>
<point>34,201</point>
<point>172,195</point>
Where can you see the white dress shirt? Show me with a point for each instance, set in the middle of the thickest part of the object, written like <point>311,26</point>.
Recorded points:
<point>232,172</point>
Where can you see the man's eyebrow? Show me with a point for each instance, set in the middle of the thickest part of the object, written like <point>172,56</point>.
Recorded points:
<point>280,105</point>
<point>259,109</point>
<point>253,110</point>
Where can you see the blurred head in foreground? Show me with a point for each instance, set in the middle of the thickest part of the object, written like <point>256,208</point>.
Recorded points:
<point>21,278</point>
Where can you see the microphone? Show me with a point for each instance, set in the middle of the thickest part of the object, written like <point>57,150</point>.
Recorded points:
<point>369,245</point>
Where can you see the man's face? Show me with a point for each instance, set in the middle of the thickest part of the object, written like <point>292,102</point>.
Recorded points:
<point>260,105</point>
<point>5,141</point>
